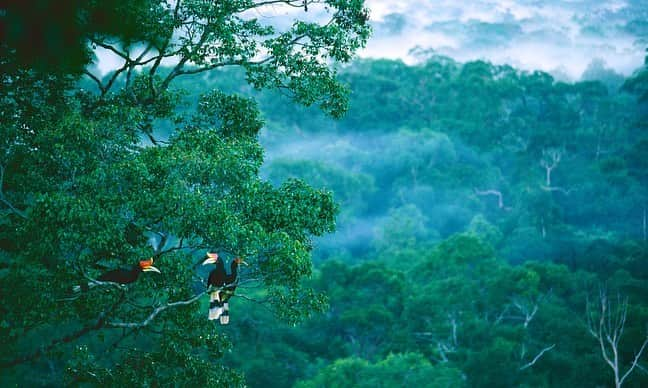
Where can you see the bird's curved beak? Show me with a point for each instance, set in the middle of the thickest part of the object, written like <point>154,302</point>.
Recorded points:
<point>244,263</point>
<point>151,268</point>
<point>212,258</point>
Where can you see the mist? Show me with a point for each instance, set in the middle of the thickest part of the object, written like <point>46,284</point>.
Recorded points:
<point>553,36</point>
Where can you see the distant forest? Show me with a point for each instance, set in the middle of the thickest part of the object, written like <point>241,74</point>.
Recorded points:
<point>491,230</point>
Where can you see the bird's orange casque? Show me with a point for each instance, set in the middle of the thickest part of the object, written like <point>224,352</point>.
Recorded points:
<point>146,263</point>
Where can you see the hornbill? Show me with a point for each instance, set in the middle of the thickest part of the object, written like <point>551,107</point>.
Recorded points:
<point>216,279</point>
<point>122,275</point>
<point>218,299</point>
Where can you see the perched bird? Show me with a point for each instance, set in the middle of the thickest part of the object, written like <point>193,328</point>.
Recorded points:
<point>226,283</point>
<point>217,278</point>
<point>229,289</point>
<point>122,275</point>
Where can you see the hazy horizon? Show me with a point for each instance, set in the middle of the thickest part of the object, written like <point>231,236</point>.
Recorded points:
<point>559,37</point>
<point>554,36</point>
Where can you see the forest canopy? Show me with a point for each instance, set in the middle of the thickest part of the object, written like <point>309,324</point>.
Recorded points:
<point>489,218</point>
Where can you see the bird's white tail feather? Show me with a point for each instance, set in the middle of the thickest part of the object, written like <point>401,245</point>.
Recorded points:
<point>224,318</point>
<point>215,306</point>
<point>215,313</point>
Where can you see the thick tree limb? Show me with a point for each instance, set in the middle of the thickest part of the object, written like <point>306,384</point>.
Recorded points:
<point>96,80</point>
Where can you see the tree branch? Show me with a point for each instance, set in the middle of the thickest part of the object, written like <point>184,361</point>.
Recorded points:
<point>98,324</point>
<point>536,358</point>
<point>221,64</point>
<point>162,50</point>
<point>497,193</point>
<point>635,361</point>
<point>95,79</point>
<point>558,189</point>
<point>158,310</point>
<point>294,4</point>
<point>110,48</point>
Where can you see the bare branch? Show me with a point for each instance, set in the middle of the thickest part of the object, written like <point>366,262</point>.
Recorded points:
<point>611,325</point>
<point>536,358</point>
<point>96,80</point>
<point>635,361</point>
<point>222,64</point>
<point>158,310</point>
<point>502,315</point>
<point>114,77</point>
<point>294,3</point>
<point>497,193</point>
<point>558,189</point>
<point>110,48</point>
<point>162,52</point>
<point>550,159</point>
<point>137,61</point>
<point>529,314</point>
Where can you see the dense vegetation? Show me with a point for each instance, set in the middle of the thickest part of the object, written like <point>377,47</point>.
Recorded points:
<point>491,223</point>
<point>487,215</point>
<point>87,188</point>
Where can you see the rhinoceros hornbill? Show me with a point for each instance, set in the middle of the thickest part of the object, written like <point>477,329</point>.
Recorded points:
<point>226,284</point>
<point>122,275</point>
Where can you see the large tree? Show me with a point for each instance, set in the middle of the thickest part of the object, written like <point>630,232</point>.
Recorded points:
<point>87,183</point>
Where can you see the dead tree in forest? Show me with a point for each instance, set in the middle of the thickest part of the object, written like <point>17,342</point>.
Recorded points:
<point>607,323</point>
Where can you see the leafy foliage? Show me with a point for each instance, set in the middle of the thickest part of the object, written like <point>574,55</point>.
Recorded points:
<point>88,184</point>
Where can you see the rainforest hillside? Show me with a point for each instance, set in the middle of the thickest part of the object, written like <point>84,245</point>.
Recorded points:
<point>485,217</point>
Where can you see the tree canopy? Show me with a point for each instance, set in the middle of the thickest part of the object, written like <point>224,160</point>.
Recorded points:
<point>89,184</point>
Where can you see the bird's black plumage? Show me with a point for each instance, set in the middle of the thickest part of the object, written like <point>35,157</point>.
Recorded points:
<point>125,275</point>
<point>226,284</point>
<point>122,275</point>
<point>230,279</point>
<point>218,276</point>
